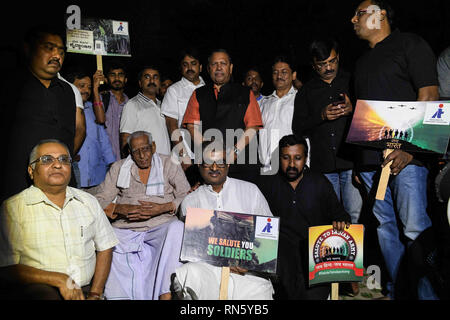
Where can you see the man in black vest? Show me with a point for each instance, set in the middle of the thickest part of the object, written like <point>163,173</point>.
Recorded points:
<point>40,106</point>
<point>232,110</point>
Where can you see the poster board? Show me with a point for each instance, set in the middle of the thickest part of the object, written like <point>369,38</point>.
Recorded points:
<point>418,126</point>
<point>100,37</point>
<point>231,239</point>
<point>336,256</point>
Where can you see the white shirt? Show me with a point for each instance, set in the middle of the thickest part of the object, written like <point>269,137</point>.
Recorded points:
<point>277,116</point>
<point>143,114</point>
<point>76,92</point>
<point>175,103</point>
<point>236,196</point>
<point>204,279</point>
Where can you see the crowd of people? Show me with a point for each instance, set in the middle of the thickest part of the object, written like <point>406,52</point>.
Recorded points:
<point>96,184</point>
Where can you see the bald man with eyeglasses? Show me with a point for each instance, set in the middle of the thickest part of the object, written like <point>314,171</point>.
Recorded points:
<point>55,241</point>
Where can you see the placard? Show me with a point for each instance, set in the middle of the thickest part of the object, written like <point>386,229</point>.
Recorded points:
<point>231,239</point>
<point>100,37</point>
<point>336,256</point>
<point>418,126</point>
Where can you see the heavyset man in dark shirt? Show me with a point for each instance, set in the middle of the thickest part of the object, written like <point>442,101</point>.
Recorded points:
<point>302,199</point>
<point>397,67</point>
<point>41,106</point>
<point>323,113</point>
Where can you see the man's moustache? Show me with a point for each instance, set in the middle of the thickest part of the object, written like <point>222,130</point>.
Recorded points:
<point>55,61</point>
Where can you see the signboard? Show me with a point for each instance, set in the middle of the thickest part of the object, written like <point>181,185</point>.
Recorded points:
<point>100,37</point>
<point>336,256</point>
<point>419,126</point>
<point>231,239</point>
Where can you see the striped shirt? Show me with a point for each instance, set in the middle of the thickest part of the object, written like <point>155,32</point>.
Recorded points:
<point>37,233</point>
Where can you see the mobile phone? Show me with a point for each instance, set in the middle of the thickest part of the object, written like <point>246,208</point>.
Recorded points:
<point>338,99</point>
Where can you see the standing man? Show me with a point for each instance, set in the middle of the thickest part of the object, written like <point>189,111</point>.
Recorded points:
<point>55,241</point>
<point>397,67</point>
<point>96,154</point>
<point>42,107</point>
<point>143,112</point>
<point>174,106</point>
<point>226,106</point>
<point>253,80</point>
<point>165,84</point>
<point>277,110</point>
<point>108,105</point>
<point>302,199</point>
<point>323,113</point>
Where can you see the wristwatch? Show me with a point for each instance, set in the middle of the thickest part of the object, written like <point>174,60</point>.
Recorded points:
<point>96,295</point>
<point>236,150</point>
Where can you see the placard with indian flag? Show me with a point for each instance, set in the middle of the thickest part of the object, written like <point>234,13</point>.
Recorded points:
<point>336,256</point>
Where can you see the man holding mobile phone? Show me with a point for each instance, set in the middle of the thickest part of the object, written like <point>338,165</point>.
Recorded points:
<point>322,113</point>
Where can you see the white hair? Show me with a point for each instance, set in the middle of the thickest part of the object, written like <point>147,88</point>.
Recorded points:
<point>139,134</point>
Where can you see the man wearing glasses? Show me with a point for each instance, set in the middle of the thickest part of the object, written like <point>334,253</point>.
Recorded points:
<point>223,193</point>
<point>55,241</point>
<point>141,195</point>
<point>323,113</point>
<point>398,67</point>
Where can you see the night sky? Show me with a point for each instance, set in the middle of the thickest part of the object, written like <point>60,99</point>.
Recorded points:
<point>254,32</point>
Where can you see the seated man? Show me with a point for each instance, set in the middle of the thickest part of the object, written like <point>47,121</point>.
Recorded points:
<point>141,194</point>
<point>50,233</point>
<point>201,280</point>
<point>302,199</point>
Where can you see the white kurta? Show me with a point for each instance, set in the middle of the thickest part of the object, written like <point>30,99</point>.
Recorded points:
<point>175,103</point>
<point>199,280</point>
<point>143,114</point>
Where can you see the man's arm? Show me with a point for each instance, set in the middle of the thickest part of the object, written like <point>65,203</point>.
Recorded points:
<point>102,268</point>
<point>97,104</point>
<point>29,275</point>
<point>80,131</point>
<point>400,159</point>
<point>123,143</point>
<point>172,125</point>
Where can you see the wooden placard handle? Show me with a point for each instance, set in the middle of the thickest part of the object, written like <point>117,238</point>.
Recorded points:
<point>384,178</point>
<point>223,295</point>
<point>334,291</point>
<point>100,64</point>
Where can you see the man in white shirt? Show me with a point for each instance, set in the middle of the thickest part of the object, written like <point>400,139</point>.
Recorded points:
<point>277,111</point>
<point>175,102</point>
<point>201,280</point>
<point>143,112</point>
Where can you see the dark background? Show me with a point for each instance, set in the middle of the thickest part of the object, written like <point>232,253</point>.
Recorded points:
<point>254,32</point>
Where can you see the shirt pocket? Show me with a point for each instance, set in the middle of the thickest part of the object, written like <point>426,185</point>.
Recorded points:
<point>85,246</point>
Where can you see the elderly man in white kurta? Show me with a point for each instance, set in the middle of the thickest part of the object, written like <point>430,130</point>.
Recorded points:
<point>143,113</point>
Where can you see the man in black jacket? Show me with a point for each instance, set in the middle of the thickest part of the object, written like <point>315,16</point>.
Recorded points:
<point>302,199</point>
<point>232,110</point>
<point>323,113</point>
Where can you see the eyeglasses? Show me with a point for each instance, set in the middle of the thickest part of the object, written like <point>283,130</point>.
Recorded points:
<point>143,149</point>
<point>47,159</point>
<point>360,13</point>
<point>210,165</point>
<point>322,65</point>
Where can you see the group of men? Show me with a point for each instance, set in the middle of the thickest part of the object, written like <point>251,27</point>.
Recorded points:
<point>140,163</point>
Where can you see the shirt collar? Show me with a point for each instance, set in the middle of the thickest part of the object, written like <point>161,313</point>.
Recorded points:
<point>143,97</point>
<point>210,188</point>
<point>292,90</point>
<point>187,83</point>
<point>35,195</point>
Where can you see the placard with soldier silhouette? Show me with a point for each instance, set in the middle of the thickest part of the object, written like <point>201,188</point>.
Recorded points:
<point>418,126</point>
<point>231,239</point>
<point>336,256</point>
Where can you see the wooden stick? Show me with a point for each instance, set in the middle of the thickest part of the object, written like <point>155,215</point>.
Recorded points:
<point>223,295</point>
<point>334,291</point>
<point>384,178</point>
<point>100,64</point>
